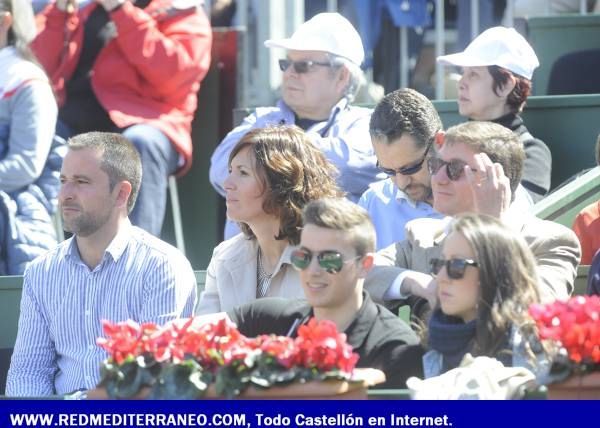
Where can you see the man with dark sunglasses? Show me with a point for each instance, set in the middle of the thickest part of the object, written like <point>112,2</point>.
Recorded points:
<point>477,169</point>
<point>403,127</point>
<point>334,255</point>
<point>320,77</point>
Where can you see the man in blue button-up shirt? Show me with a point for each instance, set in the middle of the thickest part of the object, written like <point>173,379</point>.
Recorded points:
<point>321,74</point>
<point>403,128</point>
<point>108,270</point>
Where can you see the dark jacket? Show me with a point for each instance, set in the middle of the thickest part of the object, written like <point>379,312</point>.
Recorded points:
<point>593,285</point>
<point>381,339</point>
<point>538,159</point>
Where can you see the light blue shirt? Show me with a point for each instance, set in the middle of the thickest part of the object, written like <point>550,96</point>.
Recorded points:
<point>343,138</point>
<point>390,209</point>
<point>140,277</point>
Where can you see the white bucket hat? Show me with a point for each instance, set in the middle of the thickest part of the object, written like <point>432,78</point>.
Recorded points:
<point>499,46</point>
<point>327,32</point>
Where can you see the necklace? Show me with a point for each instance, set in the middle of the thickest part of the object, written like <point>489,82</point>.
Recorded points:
<point>263,278</point>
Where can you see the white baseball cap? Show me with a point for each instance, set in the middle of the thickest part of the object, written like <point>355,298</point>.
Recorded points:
<point>327,32</point>
<point>499,46</point>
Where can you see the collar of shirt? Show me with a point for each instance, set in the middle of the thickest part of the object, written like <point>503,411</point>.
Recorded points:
<point>320,127</point>
<point>286,258</point>
<point>402,197</point>
<point>359,328</point>
<point>514,218</point>
<point>115,249</point>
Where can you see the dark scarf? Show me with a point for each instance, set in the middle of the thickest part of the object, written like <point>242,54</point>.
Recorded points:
<point>511,121</point>
<point>451,337</point>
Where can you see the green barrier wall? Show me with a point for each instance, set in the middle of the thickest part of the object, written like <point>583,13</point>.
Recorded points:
<point>563,205</point>
<point>554,36</point>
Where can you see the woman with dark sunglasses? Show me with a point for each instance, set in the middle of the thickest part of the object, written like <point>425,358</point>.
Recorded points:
<point>486,281</point>
<point>273,173</point>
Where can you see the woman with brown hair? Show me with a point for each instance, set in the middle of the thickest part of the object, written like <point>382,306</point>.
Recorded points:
<point>486,282</point>
<point>273,173</point>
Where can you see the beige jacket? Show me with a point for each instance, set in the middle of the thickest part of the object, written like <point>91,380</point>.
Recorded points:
<point>231,276</point>
<point>555,247</point>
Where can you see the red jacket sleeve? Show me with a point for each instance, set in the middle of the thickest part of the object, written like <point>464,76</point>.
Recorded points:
<point>169,52</point>
<point>54,26</point>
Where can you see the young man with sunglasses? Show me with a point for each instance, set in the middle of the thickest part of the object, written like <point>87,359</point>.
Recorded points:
<point>477,169</point>
<point>321,75</point>
<point>403,127</point>
<point>334,256</point>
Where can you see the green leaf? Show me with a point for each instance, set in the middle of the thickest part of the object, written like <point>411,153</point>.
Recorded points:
<point>229,383</point>
<point>184,381</point>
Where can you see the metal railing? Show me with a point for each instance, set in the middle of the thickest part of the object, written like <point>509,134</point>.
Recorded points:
<point>279,19</point>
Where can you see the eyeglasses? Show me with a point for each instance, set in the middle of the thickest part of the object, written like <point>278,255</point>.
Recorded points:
<point>406,170</point>
<point>455,268</point>
<point>301,67</point>
<point>454,168</point>
<point>331,261</point>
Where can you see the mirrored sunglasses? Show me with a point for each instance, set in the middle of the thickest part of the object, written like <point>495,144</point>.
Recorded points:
<point>454,168</point>
<point>455,268</point>
<point>331,261</point>
<point>301,67</point>
<point>406,170</point>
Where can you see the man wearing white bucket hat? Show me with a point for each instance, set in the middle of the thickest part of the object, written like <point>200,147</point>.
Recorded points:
<point>496,80</point>
<point>321,75</point>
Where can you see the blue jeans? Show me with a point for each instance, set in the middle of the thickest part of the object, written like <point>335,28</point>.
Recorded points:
<point>159,161</point>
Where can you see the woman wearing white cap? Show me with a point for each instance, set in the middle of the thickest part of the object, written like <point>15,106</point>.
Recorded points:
<point>496,80</point>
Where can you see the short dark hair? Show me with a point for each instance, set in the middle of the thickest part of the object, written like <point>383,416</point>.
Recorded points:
<point>499,143</point>
<point>293,172</point>
<point>517,97</point>
<point>341,214</point>
<point>120,159</point>
<point>405,111</point>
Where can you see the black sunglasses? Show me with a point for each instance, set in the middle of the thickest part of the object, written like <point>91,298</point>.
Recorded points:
<point>331,261</point>
<point>454,168</point>
<point>455,268</point>
<point>301,67</point>
<point>406,170</point>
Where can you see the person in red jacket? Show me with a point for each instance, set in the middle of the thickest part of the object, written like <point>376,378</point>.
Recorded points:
<point>587,227</point>
<point>130,66</point>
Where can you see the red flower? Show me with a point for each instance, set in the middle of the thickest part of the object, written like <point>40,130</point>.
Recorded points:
<point>124,339</point>
<point>283,349</point>
<point>321,346</point>
<point>218,344</point>
<point>574,324</point>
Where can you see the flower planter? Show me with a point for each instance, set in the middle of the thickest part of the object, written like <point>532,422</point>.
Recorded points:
<point>585,387</point>
<point>355,389</point>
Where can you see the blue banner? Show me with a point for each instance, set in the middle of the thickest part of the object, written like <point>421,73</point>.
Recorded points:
<point>259,414</point>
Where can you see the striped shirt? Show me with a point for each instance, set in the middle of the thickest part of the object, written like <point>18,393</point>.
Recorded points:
<point>140,277</point>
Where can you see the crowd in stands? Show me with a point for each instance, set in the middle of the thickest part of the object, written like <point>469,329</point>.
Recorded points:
<point>336,211</point>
